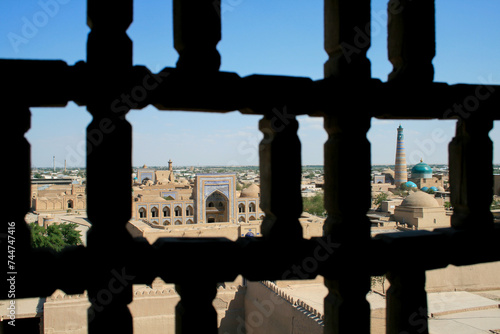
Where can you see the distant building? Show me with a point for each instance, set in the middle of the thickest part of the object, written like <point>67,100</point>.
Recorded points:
<point>57,197</point>
<point>422,177</point>
<point>383,182</point>
<point>212,198</point>
<point>390,205</point>
<point>421,211</point>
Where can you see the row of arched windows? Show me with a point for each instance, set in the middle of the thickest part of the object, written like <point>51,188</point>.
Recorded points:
<point>220,205</point>
<point>242,218</point>
<point>251,207</point>
<point>178,222</point>
<point>166,212</point>
<point>189,210</point>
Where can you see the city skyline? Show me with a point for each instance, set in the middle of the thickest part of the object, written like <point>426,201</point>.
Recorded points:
<point>52,29</point>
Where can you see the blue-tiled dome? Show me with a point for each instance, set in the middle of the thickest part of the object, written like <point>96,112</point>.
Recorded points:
<point>421,171</point>
<point>410,184</point>
<point>434,188</point>
<point>424,188</point>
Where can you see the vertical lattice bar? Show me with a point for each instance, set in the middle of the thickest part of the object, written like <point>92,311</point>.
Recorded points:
<point>408,300</point>
<point>411,48</point>
<point>411,42</point>
<point>197,30</point>
<point>347,223</point>
<point>280,172</point>
<point>109,144</point>
<point>347,152</point>
<point>347,39</point>
<point>195,312</point>
<point>470,199</point>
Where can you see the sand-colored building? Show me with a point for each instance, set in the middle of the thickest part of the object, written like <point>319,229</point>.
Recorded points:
<point>57,198</point>
<point>212,198</point>
<point>421,211</point>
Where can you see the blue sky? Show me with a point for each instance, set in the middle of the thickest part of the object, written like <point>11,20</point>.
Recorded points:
<point>263,37</point>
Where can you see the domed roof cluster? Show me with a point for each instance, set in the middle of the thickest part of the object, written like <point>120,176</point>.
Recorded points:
<point>252,191</point>
<point>420,199</point>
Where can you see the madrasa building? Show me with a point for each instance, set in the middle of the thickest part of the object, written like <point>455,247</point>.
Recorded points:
<point>210,202</point>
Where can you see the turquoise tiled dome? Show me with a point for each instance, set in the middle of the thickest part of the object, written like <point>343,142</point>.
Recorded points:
<point>421,171</point>
<point>410,184</point>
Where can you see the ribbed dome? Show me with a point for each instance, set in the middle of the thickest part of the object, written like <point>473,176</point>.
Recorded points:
<point>252,191</point>
<point>420,199</point>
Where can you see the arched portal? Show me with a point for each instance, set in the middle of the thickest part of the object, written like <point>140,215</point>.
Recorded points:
<point>217,213</point>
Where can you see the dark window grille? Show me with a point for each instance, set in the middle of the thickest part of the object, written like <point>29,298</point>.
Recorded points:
<point>347,96</point>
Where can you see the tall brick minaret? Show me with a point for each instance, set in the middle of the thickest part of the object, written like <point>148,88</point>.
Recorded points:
<point>400,175</point>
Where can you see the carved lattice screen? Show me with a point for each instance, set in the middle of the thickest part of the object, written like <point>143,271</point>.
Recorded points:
<point>348,95</point>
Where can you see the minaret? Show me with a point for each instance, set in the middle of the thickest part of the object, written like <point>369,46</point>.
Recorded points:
<point>54,163</point>
<point>171,171</point>
<point>400,175</point>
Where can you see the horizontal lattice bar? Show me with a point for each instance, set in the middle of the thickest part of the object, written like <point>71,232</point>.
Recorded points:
<point>436,249</point>
<point>256,94</point>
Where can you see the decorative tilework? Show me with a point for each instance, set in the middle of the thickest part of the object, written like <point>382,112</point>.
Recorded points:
<point>211,188</point>
<point>148,175</point>
<point>207,185</point>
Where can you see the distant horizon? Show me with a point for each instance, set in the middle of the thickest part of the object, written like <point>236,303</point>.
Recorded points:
<point>223,166</point>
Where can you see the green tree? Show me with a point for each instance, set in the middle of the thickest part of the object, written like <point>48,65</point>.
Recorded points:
<point>380,198</point>
<point>55,236</point>
<point>314,205</point>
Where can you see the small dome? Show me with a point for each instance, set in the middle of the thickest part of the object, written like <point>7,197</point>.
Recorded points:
<point>434,188</point>
<point>252,191</point>
<point>440,188</point>
<point>424,188</point>
<point>420,199</point>
<point>410,184</point>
